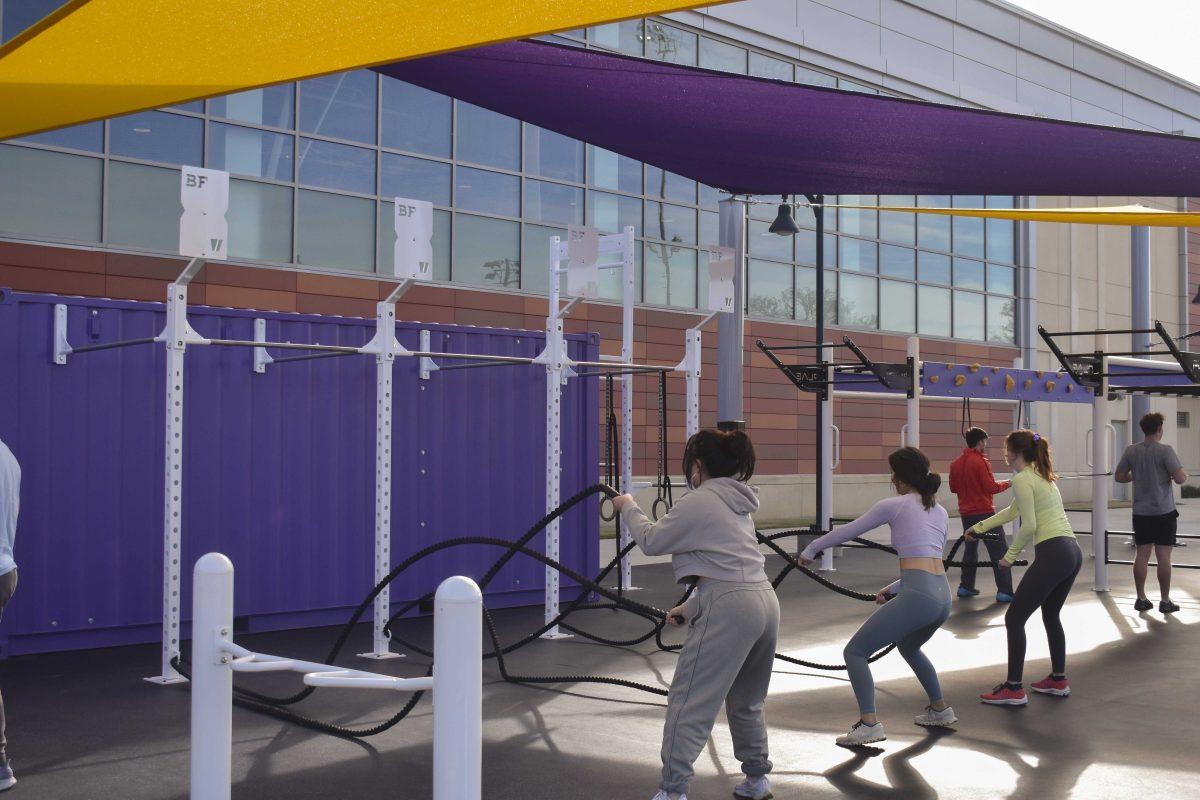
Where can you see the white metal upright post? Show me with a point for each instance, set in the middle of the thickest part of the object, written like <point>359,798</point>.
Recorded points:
<point>691,366</point>
<point>176,335</point>
<point>825,468</point>
<point>457,690</point>
<point>552,357</point>
<point>628,284</point>
<point>1100,466</point>
<point>912,428</point>
<point>212,679</point>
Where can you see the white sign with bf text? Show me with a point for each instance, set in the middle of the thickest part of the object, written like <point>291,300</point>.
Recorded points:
<point>414,239</point>
<point>583,255</point>
<point>720,279</point>
<point>203,229</point>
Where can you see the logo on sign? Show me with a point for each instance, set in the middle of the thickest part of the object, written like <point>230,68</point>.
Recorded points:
<point>203,230</point>
<point>413,220</point>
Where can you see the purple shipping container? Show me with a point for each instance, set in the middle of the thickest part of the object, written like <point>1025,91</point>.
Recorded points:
<point>279,468</point>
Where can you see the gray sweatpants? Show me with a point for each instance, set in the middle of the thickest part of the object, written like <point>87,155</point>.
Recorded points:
<point>919,608</point>
<point>8,585</point>
<point>726,659</point>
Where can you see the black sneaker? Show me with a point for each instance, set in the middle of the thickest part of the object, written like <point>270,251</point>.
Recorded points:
<point>1142,604</point>
<point>1167,607</point>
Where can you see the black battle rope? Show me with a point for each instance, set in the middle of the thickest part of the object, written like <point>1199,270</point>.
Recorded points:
<point>612,449</point>
<point>665,496</point>
<point>967,424</point>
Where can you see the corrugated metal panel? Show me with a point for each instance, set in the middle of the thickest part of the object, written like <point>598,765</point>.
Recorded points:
<point>279,467</point>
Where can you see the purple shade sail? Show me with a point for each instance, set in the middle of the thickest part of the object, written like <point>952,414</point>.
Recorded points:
<point>757,136</point>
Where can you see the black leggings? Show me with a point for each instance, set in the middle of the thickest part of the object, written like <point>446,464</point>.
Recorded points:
<point>1047,583</point>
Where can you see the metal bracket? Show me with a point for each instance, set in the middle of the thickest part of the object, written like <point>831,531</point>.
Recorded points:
<point>384,343</point>
<point>178,332</point>
<point>428,365</point>
<point>897,377</point>
<point>261,357</point>
<point>62,347</point>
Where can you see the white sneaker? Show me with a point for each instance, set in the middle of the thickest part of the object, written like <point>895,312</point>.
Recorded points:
<point>862,733</point>
<point>754,789</point>
<point>936,719</point>
<point>663,794</point>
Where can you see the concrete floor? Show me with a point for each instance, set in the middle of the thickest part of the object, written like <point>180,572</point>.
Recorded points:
<point>83,725</point>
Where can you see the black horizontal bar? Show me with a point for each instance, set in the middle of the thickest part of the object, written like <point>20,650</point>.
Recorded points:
<point>309,357</point>
<point>1102,331</point>
<point>91,348</point>
<point>449,367</point>
<point>801,346</point>
<point>1155,564</point>
<point>630,371</point>
<point>1125,353</point>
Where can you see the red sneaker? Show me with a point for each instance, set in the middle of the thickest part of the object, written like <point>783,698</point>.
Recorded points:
<point>1005,695</point>
<point>1051,685</point>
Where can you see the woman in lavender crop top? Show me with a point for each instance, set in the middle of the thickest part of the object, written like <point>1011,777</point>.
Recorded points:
<point>919,601</point>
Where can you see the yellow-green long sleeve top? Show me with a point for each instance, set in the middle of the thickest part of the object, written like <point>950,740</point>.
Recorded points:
<point>1039,505</point>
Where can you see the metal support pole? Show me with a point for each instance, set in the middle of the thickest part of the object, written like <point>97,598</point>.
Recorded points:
<point>212,679</point>
<point>552,357</point>
<point>176,336</point>
<point>912,436</point>
<point>1100,466</point>
<point>628,288</point>
<point>731,327</point>
<point>1139,306</point>
<point>385,346</point>
<point>825,456</point>
<point>457,690</point>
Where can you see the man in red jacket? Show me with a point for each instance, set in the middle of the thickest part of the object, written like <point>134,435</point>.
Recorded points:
<point>972,480</point>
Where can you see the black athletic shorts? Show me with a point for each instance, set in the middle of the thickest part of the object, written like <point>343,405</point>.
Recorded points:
<point>1158,529</point>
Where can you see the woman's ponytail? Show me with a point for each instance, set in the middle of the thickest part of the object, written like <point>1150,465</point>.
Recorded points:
<point>911,467</point>
<point>1035,450</point>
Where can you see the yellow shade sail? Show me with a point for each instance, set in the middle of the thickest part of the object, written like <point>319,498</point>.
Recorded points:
<point>93,59</point>
<point>1135,216</point>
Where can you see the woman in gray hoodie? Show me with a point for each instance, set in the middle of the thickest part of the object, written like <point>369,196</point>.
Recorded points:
<point>732,616</point>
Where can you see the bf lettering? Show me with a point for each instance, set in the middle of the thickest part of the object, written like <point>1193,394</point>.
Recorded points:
<point>196,181</point>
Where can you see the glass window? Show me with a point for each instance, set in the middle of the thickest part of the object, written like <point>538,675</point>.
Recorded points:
<point>625,37</point>
<point>415,119</point>
<point>271,106</point>
<point>341,106</point>
<point>535,252</point>
<point>335,231</point>
<point>337,166</point>
<point>766,67</point>
<point>143,206</point>
<point>771,293</point>
<point>851,86</point>
<point>722,56</point>
<point>611,171</point>
<point>968,316</point>
<point>670,223</point>
<point>898,306</point>
<point>933,267</point>
<point>611,213</point>
<point>487,192</point>
<point>415,179</point>
<point>968,274</point>
<point>669,186</point>
<point>896,226</point>
<point>933,311</point>
<point>89,136</point>
<point>858,222</point>
<point>51,195</point>
<point>486,251</point>
<point>610,280</point>
<point>15,17</point>
<point>247,151</point>
<point>386,257</point>
<point>710,228</point>
<point>1001,280</point>
<point>806,295</point>
<point>669,276</point>
<point>968,236</point>
<point>553,155</point>
<point>664,43</point>
<point>1001,319</point>
<point>761,243</point>
<point>195,106</point>
<point>857,255</point>
<point>158,136</point>
<point>553,202</point>
<point>1001,236</point>
<point>999,201</point>
<point>933,231</point>
<point>857,301</point>
<point>485,137</point>
<point>710,197</point>
<point>806,248</point>
<point>898,262</point>
<point>260,221</point>
<point>814,78</point>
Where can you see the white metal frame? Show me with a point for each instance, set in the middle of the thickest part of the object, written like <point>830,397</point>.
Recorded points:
<point>456,683</point>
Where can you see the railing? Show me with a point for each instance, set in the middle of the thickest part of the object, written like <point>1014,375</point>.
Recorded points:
<point>456,683</point>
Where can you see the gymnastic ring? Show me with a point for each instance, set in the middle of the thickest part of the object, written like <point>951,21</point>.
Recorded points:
<point>654,509</point>
<point>607,517</point>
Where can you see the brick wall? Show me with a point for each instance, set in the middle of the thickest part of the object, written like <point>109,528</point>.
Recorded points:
<point>779,418</point>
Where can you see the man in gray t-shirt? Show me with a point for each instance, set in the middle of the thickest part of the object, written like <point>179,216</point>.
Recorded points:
<point>1152,467</point>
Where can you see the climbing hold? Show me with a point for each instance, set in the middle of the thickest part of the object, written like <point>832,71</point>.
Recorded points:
<point>934,378</point>
<point>995,370</point>
<point>1070,387</point>
<point>959,380</point>
<point>1039,373</point>
<point>974,368</point>
<point>1009,383</point>
<point>1050,386</point>
<point>1028,384</point>
<point>986,380</point>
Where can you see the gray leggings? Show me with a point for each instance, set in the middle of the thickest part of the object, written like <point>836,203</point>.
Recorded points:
<point>920,607</point>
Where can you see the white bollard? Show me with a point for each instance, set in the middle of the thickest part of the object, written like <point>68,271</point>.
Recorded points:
<point>212,679</point>
<point>457,690</point>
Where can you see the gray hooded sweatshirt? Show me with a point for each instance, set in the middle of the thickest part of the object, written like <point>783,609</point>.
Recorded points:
<point>709,533</point>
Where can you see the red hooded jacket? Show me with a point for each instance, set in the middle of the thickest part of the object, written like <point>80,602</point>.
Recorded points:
<point>972,480</point>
